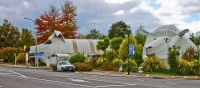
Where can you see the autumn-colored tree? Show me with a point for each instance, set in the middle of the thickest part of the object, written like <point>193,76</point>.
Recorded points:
<point>53,20</point>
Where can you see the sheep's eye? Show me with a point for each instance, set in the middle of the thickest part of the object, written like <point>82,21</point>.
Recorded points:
<point>166,40</point>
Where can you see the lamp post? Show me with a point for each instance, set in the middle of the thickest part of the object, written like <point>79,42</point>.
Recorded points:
<point>36,58</point>
<point>128,33</point>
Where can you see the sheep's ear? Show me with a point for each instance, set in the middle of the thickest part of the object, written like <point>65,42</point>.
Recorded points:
<point>183,32</point>
<point>143,31</point>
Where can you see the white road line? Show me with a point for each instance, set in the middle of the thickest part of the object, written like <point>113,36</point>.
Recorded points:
<point>61,82</point>
<point>170,83</point>
<point>77,80</point>
<point>109,86</point>
<point>18,73</point>
<point>2,69</point>
<point>0,86</point>
<point>139,79</point>
<point>99,80</point>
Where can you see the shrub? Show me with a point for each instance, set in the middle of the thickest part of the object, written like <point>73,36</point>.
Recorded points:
<point>173,55</point>
<point>21,58</point>
<point>133,66</point>
<point>196,66</point>
<point>41,63</point>
<point>82,66</point>
<point>152,63</point>
<point>100,61</point>
<point>184,67</point>
<point>109,66</point>
<point>118,62</point>
<point>77,58</point>
<point>110,55</point>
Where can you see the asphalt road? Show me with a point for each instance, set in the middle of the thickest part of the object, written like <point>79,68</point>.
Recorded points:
<point>33,78</point>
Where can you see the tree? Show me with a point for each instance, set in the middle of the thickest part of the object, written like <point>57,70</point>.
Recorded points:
<point>118,29</point>
<point>8,53</point>
<point>26,38</point>
<point>52,20</point>
<point>94,34</point>
<point>103,44</point>
<point>173,55</point>
<point>9,34</point>
<point>123,50</point>
<point>115,43</point>
<point>141,38</point>
<point>80,36</point>
<point>195,38</point>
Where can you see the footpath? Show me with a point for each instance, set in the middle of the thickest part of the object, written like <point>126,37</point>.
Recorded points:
<point>117,74</point>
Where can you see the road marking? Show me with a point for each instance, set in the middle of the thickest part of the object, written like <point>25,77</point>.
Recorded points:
<point>109,86</point>
<point>2,69</point>
<point>77,80</point>
<point>139,79</point>
<point>0,86</point>
<point>18,73</point>
<point>100,80</point>
<point>170,83</point>
<point>61,82</point>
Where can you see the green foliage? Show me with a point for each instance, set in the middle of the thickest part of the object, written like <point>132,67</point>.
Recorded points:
<point>82,66</point>
<point>133,66</point>
<point>115,43</point>
<point>103,44</point>
<point>188,54</point>
<point>137,57</point>
<point>77,58</point>
<point>118,62</point>
<point>26,38</point>
<point>184,67</point>
<point>152,63</point>
<point>87,61</point>
<point>100,61</point>
<point>195,38</point>
<point>118,29</point>
<point>8,53</point>
<point>141,38</point>
<point>173,55</point>
<point>108,66</point>
<point>110,55</point>
<point>123,50</point>
<point>41,63</point>
<point>9,34</point>
<point>94,34</point>
<point>21,58</point>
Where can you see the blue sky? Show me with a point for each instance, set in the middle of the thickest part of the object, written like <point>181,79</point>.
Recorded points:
<point>101,14</point>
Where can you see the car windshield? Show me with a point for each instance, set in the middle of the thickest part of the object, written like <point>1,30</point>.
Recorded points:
<point>65,63</point>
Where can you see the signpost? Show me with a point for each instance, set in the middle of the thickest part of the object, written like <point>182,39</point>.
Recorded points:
<point>37,54</point>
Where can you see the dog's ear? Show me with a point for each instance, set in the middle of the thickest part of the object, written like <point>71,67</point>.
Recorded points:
<point>183,32</point>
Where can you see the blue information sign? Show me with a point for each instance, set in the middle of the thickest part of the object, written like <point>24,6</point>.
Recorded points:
<point>131,49</point>
<point>39,54</point>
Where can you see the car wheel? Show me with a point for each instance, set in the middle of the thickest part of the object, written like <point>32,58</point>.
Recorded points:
<point>54,69</point>
<point>72,71</point>
<point>62,69</point>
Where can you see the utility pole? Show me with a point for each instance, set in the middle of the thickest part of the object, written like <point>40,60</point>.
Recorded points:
<point>128,33</point>
<point>36,57</point>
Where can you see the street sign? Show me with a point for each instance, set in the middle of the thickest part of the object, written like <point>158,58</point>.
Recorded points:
<point>39,54</point>
<point>131,49</point>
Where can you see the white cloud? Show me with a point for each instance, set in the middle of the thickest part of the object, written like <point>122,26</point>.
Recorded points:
<point>26,4</point>
<point>120,12</point>
<point>133,10</point>
<point>116,1</point>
